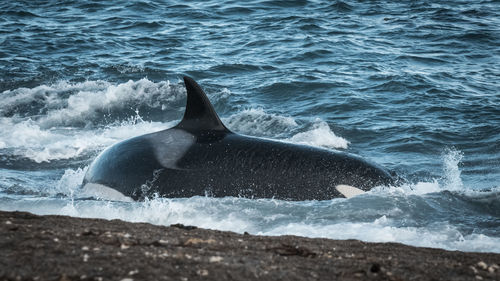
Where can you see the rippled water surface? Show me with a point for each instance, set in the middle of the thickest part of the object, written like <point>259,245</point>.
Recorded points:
<point>413,86</point>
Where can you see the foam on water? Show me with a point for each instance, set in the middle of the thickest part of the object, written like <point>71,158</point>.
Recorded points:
<point>76,104</point>
<point>381,230</point>
<point>450,181</point>
<point>381,215</point>
<point>452,159</point>
<point>320,135</point>
<point>406,214</point>
<point>257,122</point>
<point>55,133</point>
<point>70,182</point>
<point>400,89</point>
<point>27,139</point>
<point>45,123</point>
<point>267,217</point>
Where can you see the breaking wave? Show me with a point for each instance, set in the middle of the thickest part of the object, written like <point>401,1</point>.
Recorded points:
<point>71,120</point>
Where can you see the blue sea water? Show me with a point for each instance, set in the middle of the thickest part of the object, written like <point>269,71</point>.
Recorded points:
<point>411,85</point>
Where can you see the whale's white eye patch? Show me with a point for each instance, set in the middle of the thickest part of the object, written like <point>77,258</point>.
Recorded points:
<point>348,191</point>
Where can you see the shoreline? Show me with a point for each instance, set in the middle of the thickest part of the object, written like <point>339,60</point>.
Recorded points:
<point>67,248</point>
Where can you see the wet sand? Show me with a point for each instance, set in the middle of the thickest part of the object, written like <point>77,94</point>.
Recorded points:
<point>65,248</point>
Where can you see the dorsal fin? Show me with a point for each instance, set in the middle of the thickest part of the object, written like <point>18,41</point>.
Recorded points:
<point>200,114</point>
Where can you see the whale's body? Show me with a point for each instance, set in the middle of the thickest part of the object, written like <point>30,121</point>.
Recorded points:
<point>200,156</point>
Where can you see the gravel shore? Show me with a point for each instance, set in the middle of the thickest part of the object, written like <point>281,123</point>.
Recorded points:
<point>66,248</point>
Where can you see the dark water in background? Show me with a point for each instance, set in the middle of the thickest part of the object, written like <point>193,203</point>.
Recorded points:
<point>412,86</point>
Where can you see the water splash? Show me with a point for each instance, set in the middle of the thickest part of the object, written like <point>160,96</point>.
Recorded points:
<point>257,122</point>
<point>320,135</point>
<point>326,219</point>
<point>450,179</point>
<point>451,171</point>
<point>27,139</point>
<point>81,104</point>
<point>70,182</point>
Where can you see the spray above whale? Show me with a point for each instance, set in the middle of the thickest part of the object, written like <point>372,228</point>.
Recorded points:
<point>200,156</point>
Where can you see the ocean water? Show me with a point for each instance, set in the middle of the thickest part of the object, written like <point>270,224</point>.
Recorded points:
<point>413,86</point>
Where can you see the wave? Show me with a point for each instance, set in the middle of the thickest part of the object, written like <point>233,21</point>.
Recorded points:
<point>443,213</point>
<point>321,135</point>
<point>257,122</point>
<point>27,139</point>
<point>73,120</point>
<point>387,220</point>
<point>87,103</point>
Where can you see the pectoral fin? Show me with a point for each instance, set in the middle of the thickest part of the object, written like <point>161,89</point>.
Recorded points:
<point>348,191</point>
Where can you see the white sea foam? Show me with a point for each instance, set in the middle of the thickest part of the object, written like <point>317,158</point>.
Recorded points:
<point>320,135</point>
<point>441,235</point>
<point>70,182</point>
<point>451,179</point>
<point>223,94</point>
<point>28,139</point>
<point>257,122</point>
<point>49,133</point>
<point>263,217</point>
<point>451,171</point>
<point>85,103</point>
<point>419,188</point>
<point>66,104</point>
<point>56,133</point>
<point>49,136</point>
<point>335,219</point>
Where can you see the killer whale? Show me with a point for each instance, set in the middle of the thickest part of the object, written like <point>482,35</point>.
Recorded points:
<point>200,156</point>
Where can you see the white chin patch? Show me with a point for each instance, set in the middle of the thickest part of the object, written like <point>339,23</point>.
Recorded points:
<point>348,191</point>
<point>103,192</point>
